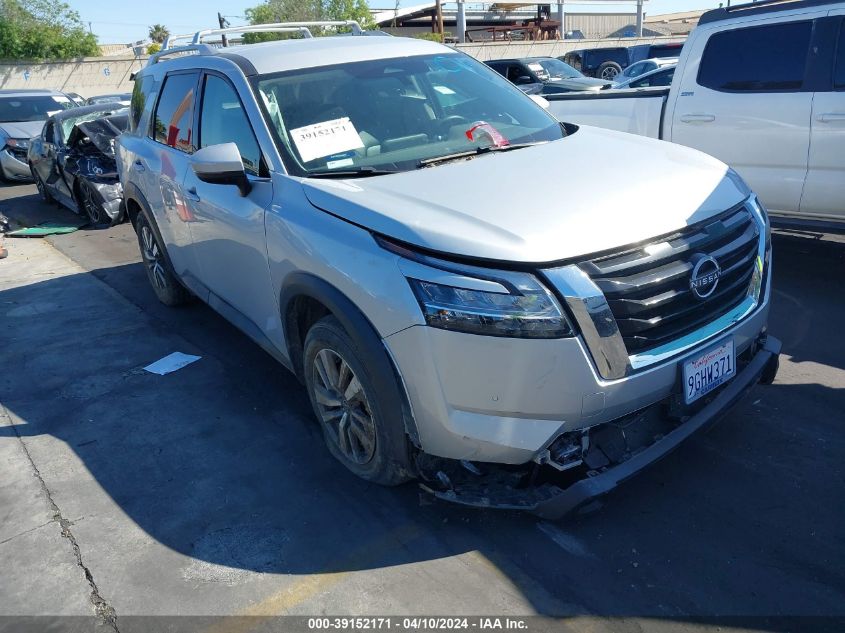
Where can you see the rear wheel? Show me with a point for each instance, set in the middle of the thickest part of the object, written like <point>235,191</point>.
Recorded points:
<point>164,282</point>
<point>361,433</point>
<point>608,71</point>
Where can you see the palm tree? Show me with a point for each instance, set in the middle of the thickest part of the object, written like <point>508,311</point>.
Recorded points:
<point>159,33</point>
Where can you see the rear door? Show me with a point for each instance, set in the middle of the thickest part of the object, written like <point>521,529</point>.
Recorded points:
<point>824,190</point>
<point>227,228</point>
<point>160,164</point>
<point>747,103</point>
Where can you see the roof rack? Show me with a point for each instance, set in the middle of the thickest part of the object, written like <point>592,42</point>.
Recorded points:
<point>196,44</point>
<point>755,8</point>
<point>257,28</point>
<point>200,49</point>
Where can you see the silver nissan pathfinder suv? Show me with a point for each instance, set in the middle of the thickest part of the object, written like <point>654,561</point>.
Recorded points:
<point>404,230</point>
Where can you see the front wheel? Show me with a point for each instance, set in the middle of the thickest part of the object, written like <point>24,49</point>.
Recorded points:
<point>89,204</point>
<point>361,433</point>
<point>166,286</point>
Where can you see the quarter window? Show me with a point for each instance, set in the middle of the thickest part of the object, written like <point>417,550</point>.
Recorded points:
<point>839,70</point>
<point>223,120</point>
<point>757,59</point>
<point>174,114</point>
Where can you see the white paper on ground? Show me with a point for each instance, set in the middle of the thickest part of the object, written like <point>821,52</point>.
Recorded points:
<point>171,362</point>
<point>326,138</point>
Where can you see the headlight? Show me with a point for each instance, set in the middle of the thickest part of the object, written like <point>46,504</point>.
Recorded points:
<point>528,311</point>
<point>21,143</point>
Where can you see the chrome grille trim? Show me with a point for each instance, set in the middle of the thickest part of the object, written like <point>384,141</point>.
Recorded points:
<point>599,299</point>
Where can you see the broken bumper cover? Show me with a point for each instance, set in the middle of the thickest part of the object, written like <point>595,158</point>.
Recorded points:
<point>552,502</point>
<point>13,167</point>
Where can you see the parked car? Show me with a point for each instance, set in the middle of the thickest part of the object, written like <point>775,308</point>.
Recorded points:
<point>73,162</point>
<point>22,115</point>
<point>659,77</point>
<point>761,87</point>
<point>349,203</point>
<point>550,75</point>
<point>645,66</point>
<point>121,98</point>
<point>607,63</point>
<point>76,98</point>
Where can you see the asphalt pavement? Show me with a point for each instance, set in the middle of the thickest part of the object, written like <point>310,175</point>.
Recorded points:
<point>209,491</point>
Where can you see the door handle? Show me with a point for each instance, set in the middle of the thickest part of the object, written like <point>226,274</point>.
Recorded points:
<point>830,117</point>
<point>191,194</point>
<point>698,118</point>
<point>139,166</point>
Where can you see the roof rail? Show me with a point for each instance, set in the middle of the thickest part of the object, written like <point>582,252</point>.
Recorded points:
<point>257,28</point>
<point>761,6</point>
<point>170,39</point>
<point>201,49</point>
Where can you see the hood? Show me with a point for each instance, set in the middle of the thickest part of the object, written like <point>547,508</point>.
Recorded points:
<point>21,129</point>
<point>576,83</point>
<point>591,191</point>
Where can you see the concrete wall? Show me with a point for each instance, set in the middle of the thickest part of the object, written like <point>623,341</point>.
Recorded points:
<point>89,76</point>
<point>554,48</point>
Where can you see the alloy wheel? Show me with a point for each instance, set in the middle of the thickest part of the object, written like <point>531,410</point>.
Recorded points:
<point>92,209</point>
<point>343,407</point>
<point>152,258</point>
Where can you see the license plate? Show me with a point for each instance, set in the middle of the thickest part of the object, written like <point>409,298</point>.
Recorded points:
<point>703,373</point>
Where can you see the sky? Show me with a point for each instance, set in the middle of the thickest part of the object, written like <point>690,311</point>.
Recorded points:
<point>124,21</point>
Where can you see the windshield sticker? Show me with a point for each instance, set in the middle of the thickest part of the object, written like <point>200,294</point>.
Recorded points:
<point>60,99</point>
<point>343,162</point>
<point>444,90</point>
<point>326,138</point>
<point>537,68</point>
<point>482,128</point>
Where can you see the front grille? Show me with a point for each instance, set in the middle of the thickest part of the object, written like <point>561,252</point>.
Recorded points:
<point>648,287</point>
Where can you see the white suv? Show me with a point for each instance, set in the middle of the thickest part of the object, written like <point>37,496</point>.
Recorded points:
<point>367,209</point>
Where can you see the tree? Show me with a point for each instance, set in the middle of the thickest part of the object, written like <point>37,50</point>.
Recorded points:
<point>159,33</point>
<point>43,29</point>
<point>303,11</point>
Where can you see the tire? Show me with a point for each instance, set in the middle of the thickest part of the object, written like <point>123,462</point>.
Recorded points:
<point>166,286</point>
<point>87,203</point>
<point>39,184</point>
<point>608,71</point>
<point>358,429</point>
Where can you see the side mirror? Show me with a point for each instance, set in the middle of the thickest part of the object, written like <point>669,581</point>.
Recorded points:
<point>540,101</point>
<point>221,165</point>
<point>524,79</point>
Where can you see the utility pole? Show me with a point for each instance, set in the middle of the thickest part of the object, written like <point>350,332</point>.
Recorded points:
<point>223,25</point>
<point>438,7</point>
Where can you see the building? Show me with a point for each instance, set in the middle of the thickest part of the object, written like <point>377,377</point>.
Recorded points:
<point>501,20</point>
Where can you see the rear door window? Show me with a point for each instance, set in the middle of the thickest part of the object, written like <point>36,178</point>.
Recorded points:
<point>174,115</point>
<point>768,58</point>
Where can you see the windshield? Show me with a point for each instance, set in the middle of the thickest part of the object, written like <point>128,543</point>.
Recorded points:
<point>109,99</point>
<point>68,123</point>
<point>558,69</point>
<point>391,114</point>
<point>39,108</point>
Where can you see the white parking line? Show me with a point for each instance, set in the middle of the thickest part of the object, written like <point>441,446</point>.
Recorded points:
<point>565,541</point>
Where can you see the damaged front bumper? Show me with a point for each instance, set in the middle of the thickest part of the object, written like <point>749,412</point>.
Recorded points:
<point>511,488</point>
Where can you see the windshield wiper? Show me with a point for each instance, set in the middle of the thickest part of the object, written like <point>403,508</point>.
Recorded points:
<point>360,172</point>
<point>479,151</point>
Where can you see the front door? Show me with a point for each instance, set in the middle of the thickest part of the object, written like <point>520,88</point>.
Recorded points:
<point>227,228</point>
